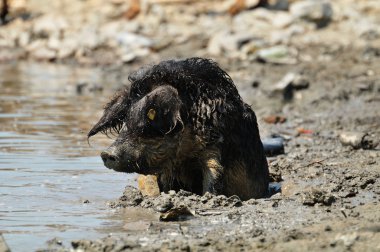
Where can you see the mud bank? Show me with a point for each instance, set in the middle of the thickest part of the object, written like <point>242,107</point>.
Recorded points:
<point>330,191</point>
<point>318,88</point>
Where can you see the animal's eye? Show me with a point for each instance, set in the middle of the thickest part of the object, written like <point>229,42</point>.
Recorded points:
<point>151,114</point>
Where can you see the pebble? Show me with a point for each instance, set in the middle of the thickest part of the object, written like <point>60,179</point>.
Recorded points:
<point>314,196</point>
<point>318,12</point>
<point>353,139</point>
<point>281,54</point>
<point>273,146</point>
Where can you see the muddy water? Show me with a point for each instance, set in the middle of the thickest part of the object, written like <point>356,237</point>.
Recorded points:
<point>47,168</point>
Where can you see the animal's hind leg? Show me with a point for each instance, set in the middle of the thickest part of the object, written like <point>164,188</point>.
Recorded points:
<point>212,171</point>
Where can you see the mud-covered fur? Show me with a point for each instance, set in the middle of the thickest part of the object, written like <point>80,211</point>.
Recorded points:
<point>184,121</point>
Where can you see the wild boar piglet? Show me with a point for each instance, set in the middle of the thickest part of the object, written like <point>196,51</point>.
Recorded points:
<point>185,122</point>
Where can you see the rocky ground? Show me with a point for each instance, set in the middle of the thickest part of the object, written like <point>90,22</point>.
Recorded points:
<point>310,73</point>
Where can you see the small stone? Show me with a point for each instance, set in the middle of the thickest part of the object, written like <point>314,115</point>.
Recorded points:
<point>353,139</point>
<point>274,119</point>
<point>318,12</point>
<point>131,197</point>
<point>273,146</point>
<point>348,239</point>
<point>165,205</point>
<point>282,20</point>
<point>53,43</point>
<point>23,39</point>
<point>278,4</point>
<point>234,201</point>
<point>48,25</point>
<point>289,83</point>
<point>281,55</point>
<point>314,196</point>
<point>176,214</point>
<point>300,82</point>
<point>289,188</point>
<point>171,192</point>
<point>43,54</point>
<point>328,228</point>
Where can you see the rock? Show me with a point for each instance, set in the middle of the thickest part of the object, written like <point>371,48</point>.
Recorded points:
<point>277,55</point>
<point>49,25</point>
<point>43,53</point>
<point>282,20</point>
<point>274,188</point>
<point>359,140</point>
<point>164,205</point>
<point>347,239</point>
<point>290,82</point>
<point>300,82</point>
<point>274,119</point>
<point>131,197</point>
<point>289,188</point>
<point>177,214</point>
<point>273,146</point>
<point>53,43</point>
<point>234,201</point>
<point>214,46</point>
<point>228,42</point>
<point>314,196</point>
<point>353,139</point>
<point>132,40</point>
<point>23,39</point>
<point>84,87</point>
<point>278,4</point>
<point>237,6</point>
<point>318,12</point>
<point>67,48</point>
<point>89,39</point>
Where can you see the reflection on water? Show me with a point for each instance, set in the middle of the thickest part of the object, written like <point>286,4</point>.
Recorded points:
<point>47,169</point>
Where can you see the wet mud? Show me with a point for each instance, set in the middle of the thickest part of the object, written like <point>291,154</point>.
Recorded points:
<point>329,187</point>
<point>316,87</point>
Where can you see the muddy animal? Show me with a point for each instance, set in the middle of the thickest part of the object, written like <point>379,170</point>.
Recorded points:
<point>185,122</point>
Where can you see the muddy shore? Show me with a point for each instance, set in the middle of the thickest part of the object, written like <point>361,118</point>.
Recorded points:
<point>324,82</point>
<point>330,191</point>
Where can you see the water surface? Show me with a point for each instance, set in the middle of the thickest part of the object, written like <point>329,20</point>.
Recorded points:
<point>47,169</point>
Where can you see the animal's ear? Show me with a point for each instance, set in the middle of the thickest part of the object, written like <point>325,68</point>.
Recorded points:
<point>113,115</point>
<point>165,113</point>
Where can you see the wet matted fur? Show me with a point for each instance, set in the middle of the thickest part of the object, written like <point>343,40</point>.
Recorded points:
<point>185,122</point>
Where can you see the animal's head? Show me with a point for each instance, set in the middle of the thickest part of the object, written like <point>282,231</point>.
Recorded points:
<point>149,130</point>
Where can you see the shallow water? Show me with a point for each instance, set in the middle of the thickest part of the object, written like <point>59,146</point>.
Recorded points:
<point>47,168</point>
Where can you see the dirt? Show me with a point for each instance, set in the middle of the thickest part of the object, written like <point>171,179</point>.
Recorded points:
<point>329,189</point>
<point>330,192</point>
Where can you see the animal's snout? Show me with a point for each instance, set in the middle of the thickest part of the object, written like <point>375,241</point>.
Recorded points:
<point>109,158</point>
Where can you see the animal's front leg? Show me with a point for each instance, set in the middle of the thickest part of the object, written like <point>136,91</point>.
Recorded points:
<point>212,171</point>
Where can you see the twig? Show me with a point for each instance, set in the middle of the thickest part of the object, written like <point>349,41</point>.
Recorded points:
<point>315,162</point>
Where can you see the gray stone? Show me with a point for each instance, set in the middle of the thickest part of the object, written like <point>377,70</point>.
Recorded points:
<point>282,20</point>
<point>128,39</point>
<point>353,139</point>
<point>319,12</point>
<point>68,48</point>
<point>277,55</point>
<point>43,53</point>
<point>49,25</point>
